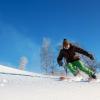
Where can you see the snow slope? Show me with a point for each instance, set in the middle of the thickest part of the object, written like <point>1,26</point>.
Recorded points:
<point>43,87</point>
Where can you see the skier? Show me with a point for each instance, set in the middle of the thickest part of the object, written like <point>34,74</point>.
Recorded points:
<point>74,63</point>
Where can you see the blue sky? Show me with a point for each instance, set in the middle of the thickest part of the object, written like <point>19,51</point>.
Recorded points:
<point>23,25</point>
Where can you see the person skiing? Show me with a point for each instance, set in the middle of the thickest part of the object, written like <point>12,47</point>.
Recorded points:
<point>74,63</point>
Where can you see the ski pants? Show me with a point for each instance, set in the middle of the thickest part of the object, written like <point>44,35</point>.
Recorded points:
<point>75,66</point>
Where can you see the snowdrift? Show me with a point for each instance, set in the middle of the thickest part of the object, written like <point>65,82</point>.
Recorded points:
<point>15,86</point>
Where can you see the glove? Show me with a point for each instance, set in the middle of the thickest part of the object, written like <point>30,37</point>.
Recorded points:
<point>60,63</point>
<point>91,57</point>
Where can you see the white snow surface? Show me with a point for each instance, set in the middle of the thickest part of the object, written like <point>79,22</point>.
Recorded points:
<point>43,87</point>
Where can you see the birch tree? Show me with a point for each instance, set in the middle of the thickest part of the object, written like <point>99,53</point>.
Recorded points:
<point>23,63</point>
<point>47,56</point>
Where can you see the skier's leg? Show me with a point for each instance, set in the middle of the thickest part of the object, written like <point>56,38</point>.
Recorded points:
<point>74,70</point>
<point>85,69</point>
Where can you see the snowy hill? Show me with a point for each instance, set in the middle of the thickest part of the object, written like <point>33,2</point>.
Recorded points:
<point>4,69</point>
<point>21,85</point>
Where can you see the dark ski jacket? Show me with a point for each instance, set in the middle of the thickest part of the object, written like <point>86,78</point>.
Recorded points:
<point>70,54</point>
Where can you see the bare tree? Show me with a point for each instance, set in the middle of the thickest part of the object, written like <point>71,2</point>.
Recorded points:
<point>23,62</point>
<point>98,66</point>
<point>47,56</point>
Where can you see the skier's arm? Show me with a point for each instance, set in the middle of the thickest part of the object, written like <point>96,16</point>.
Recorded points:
<point>59,58</point>
<point>82,51</point>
